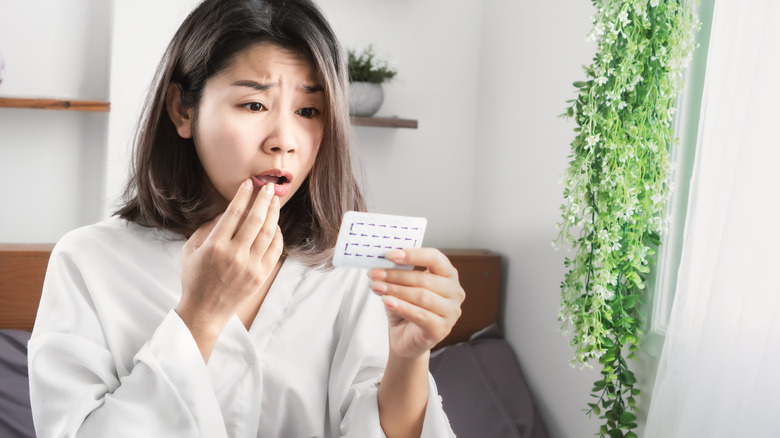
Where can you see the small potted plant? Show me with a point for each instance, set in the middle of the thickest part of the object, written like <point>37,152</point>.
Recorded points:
<point>366,75</point>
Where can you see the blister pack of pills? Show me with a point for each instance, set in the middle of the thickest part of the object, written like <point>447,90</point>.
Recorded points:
<point>365,238</point>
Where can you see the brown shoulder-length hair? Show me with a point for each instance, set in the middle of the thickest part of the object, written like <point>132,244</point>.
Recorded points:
<point>168,187</point>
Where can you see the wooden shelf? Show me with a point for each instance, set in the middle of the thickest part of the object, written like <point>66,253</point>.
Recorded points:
<point>55,104</point>
<point>88,105</point>
<point>384,122</point>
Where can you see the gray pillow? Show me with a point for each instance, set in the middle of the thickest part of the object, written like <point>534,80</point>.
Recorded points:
<point>15,414</point>
<point>483,391</point>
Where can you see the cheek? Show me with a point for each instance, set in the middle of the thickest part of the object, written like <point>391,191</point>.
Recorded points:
<point>314,144</point>
<point>222,152</point>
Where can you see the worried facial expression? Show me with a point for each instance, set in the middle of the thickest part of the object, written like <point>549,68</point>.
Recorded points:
<point>260,118</point>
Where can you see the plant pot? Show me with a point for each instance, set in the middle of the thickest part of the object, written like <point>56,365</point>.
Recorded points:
<point>365,98</point>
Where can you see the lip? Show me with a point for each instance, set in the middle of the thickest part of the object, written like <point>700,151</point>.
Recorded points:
<point>279,189</point>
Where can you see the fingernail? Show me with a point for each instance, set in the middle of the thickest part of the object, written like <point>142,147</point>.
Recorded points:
<point>390,302</point>
<point>275,201</point>
<point>395,255</point>
<point>377,274</point>
<point>377,287</point>
<point>269,187</point>
<point>247,184</point>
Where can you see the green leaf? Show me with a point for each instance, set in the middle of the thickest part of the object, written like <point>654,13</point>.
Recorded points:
<point>616,433</point>
<point>580,84</point>
<point>627,418</point>
<point>630,435</point>
<point>627,377</point>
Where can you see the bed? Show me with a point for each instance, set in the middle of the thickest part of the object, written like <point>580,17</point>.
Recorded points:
<point>477,373</point>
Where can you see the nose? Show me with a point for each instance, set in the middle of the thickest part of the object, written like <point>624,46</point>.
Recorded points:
<point>281,137</point>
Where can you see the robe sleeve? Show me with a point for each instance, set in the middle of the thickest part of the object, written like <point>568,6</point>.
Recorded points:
<point>75,388</point>
<point>358,366</point>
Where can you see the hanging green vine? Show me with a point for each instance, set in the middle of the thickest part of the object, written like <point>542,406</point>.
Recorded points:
<point>616,188</point>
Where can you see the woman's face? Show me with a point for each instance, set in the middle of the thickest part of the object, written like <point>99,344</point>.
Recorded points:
<point>261,118</point>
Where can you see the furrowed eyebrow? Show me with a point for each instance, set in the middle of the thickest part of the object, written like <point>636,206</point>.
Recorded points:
<point>255,85</point>
<point>308,89</point>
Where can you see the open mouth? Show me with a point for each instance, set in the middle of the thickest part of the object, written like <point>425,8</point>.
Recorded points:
<point>280,178</point>
<point>265,179</point>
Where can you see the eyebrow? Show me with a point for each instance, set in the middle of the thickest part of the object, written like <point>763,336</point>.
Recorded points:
<point>308,89</point>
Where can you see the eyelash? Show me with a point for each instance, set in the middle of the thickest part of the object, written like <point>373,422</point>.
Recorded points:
<point>253,106</point>
<point>250,105</point>
<point>315,112</point>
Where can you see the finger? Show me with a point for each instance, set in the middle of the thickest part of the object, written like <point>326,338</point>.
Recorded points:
<point>443,286</point>
<point>434,326</point>
<point>256,216</point>
<point>275,248</point>
<point>416,296</point>
<point>429,258</point>
<point>228,224</point>
<point>270,229</point>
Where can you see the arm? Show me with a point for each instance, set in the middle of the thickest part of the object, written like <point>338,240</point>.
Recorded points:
<point>89,379</point>
<point>422,308</point>
<point>403,395</point>
<point>107,354</point>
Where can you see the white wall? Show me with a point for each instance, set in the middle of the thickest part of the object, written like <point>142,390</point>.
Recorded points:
<point>139,40</point>
<point>48,159</point>
<point>427,172</point>
<point>531,53</point>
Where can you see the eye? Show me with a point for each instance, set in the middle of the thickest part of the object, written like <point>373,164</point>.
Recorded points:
<point>308,112</point>
<point>254,106</point>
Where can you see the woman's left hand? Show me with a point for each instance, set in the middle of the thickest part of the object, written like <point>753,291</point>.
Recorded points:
<point>422,306</point>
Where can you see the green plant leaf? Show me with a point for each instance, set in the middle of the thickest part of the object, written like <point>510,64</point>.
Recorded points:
<point>627,377</point>
<point>627,418</point>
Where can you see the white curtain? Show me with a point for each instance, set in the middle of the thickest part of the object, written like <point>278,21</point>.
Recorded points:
<point>719,374</point>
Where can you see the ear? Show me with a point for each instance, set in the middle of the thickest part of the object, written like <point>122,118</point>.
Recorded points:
<point>180,115</point>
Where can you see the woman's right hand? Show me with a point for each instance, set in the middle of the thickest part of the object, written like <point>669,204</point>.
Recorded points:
<point>227,261</point>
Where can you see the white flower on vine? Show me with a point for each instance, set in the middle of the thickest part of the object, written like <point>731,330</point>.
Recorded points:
<point>622,105</point>
<point>592,140</point>
<point>601,80</point>
<point>654,3</point>
<point>623,17</point>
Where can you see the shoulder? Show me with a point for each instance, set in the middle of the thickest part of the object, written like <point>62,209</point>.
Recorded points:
<point>110,238</point>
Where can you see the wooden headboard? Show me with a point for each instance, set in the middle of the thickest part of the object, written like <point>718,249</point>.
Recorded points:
<point>23,266</point>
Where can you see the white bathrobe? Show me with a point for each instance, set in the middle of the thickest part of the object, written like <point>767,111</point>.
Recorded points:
<point>109,357</point>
